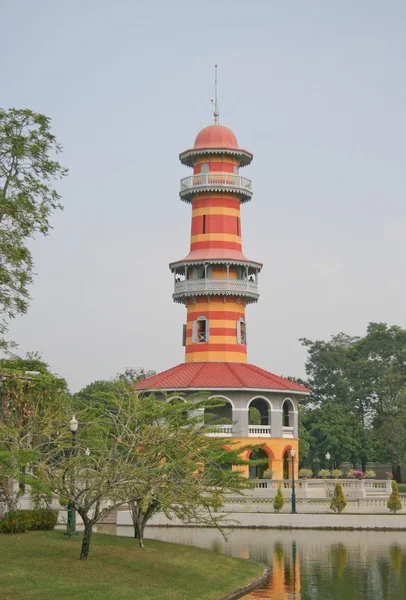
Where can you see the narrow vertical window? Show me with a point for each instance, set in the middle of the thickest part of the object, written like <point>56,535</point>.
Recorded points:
<point>200,330</point>
<point>238,225</point>
<point>241,332</point>
<point>204,223</point>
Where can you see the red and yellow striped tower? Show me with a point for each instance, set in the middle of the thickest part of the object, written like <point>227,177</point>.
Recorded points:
<point>215,281</point>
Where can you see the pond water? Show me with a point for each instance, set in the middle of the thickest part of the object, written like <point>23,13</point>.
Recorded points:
<point>309,565</point>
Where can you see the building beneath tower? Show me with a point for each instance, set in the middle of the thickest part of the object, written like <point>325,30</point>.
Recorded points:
<point>215,282</point>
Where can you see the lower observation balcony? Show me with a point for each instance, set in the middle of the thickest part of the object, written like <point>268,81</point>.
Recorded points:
<point>256,431</point>
<point>215,182</point>
<point>216,287</point>
<point>259,431</point>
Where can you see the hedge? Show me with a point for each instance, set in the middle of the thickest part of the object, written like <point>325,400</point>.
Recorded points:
<point>20,521</point>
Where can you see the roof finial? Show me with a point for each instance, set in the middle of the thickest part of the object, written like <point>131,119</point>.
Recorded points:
<point>214,100</point>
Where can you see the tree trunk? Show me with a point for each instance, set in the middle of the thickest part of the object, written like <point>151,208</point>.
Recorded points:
<point>141,527</point>
<point>139,521</point>
<point>398,474</point>
<point>87,536</point>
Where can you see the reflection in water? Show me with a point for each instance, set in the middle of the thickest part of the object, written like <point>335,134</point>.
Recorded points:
<point>310,565</point>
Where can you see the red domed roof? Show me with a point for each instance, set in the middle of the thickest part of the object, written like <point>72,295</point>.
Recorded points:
<point>216,136</point>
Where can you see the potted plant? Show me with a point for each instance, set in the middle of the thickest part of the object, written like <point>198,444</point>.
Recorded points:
<point>267,474</point>
<point>370,474</point>
<point>359,474</point>
<point>336,473</point>
<point>324,473</point>
<point>305,473</point>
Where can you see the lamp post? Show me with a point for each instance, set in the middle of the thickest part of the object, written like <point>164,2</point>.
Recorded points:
<point>71,523</point>
<point>328,460</point>
<point>292,454</point>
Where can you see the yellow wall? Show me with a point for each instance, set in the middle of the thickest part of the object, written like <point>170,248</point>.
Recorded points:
<point>277,445</point>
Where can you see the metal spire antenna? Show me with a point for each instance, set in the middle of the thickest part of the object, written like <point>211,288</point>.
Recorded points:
<point>214,100</point>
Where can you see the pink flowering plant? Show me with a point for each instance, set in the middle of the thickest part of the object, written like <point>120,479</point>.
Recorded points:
<point>358,474</point>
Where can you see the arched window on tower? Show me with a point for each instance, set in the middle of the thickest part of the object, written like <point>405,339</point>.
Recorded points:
<point>200,330</point>
<point>241,332</point>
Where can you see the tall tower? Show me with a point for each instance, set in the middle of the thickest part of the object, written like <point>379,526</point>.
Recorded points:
<point>215,280</point>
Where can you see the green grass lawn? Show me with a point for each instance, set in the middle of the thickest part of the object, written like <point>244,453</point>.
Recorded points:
<point>402,488</point>
<point>45,565</point>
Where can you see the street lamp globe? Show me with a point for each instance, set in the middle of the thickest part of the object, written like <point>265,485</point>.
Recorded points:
<point>292,453</point>
<point>73,424</point>
<point>328,455</point>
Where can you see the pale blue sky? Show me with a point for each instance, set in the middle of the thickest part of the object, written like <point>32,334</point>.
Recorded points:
<point>315,89</point>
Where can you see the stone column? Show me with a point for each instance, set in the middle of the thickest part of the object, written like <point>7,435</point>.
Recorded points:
<point>295,423</point>
<point>276,423</point>
<point>240,427</point>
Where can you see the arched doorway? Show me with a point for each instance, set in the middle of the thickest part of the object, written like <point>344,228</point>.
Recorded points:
<point>255,471</point>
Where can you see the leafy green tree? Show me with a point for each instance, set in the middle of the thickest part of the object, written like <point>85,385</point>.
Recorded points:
<point>394,502</point>
<point>305,439</point>
<point>134,451</point>
<point>338,501</point>
<point>184,472</point>
<point>254,416</point>
<point>100,392</point>
<point>279,500</point>
<point>366,377</point>
<point>132,376</point>
<point>332,429</point>
<point>27,201</point>
<point>31,402</point>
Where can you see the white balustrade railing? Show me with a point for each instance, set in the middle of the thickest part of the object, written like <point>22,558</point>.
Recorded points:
<point>222,431</point>
<point>259,430</point>
<point>207,180</point>
<point>190,286</point>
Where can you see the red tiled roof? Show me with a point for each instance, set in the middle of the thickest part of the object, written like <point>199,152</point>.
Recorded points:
<point>217,375</point>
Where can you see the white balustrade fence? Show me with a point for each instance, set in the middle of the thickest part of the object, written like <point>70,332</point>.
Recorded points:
<point>228,180</point>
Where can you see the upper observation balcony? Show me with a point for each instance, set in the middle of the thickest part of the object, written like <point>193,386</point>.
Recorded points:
<point>215,182</point>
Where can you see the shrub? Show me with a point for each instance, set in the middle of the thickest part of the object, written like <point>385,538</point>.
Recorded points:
<point>370,474</point>
<point>336,473</point>
<point>305,473</point>
<point>16,521</point>
<point>279,500</point>
<point>324,473</point>
<point>20,521</point>
<point>43,519</point>
<point>338,501</point>
<point>267,474</point>
<point>394,503</point>
<point>388,475</point>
